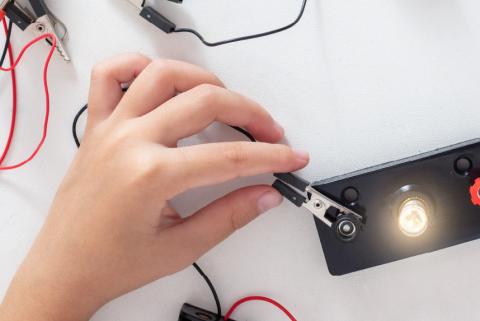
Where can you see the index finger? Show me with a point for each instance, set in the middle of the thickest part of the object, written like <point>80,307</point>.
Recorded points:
<point>209,164</point>
<point>193,111</point>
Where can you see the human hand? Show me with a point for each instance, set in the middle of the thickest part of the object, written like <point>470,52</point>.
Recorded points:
<point>110,229</point>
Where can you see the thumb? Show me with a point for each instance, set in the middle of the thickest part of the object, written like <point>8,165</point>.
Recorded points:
<point>218,220</point>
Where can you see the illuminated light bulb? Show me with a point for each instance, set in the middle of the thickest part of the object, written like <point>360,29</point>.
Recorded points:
<point>413,217</point>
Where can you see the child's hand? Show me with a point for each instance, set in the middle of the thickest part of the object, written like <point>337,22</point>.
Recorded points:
<point>110,229</point>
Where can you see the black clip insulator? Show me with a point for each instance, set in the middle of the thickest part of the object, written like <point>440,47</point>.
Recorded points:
<point>193,313</point>
<point>18,16</point>
<point>158,20</point>
<point>289,193</point>
<point>292,179</point>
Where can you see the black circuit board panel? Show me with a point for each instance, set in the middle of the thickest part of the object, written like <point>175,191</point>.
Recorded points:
<point>453,219</point>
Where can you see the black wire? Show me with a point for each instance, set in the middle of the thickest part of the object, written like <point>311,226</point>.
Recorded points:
<point>212,288</point>
<point>75,123</point>
<point>7,42</point>
<point>84,108</point>
<point>244,132</point>
<point>254,36</point>
<point>195,265</point>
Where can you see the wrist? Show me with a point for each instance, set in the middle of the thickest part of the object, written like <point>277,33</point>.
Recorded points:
<point>26,301</point>
<point>40,292</point>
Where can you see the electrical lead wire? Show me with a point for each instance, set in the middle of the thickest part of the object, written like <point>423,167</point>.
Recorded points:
<point>168,26</point>
<point>75,123</point>
<point>212,289</point>
<point>259,298</point>
<point>7,42</point>
<point>254,36</point>
<point>13,118</point>
<point>11,68</point>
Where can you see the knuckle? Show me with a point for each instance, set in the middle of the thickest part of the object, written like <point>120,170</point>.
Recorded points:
<point>142,168</point>
<point>284,155</point>
<point>100,70</point>
<point>208,91</point>
<point>108,68</point>
<point>145,165</point>
<point>117,140</point>
<point>239,217</point>
<point>162,68</point>
<point>284,152</point>
<point>208,94</point>
<point>236,154</point>
<point>137,57</point>
<point>234,221</point>
<point>121,134</point>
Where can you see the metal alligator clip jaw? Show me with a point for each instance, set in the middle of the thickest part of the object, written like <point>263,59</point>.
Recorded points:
<point>346,221</point>
<point>39,22</point>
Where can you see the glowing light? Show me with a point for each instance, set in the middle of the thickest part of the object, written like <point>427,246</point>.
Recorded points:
<point>413,217</point>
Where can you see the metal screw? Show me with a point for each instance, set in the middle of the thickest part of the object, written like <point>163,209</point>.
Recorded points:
<point>318,204</point>
<point>347,229</point>
<point>40,27</point>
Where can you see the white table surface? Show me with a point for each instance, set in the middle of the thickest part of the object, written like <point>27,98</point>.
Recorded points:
<point>356,83</point>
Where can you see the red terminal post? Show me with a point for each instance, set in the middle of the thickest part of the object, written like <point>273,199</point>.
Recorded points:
<point>475,192</point>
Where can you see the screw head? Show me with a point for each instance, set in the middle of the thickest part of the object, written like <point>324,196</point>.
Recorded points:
<point>318,204</point>
<point>40,27</point>
<point>346,228</point>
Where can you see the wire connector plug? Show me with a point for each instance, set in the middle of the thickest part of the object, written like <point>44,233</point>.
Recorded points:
<point>158,20</point>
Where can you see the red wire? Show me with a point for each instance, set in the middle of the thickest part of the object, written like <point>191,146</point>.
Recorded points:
<point>14,99</point>
<point>47,95</point>
<point>258,298</point>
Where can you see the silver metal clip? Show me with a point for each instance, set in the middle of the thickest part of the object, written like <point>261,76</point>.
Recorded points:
<point>44,25</point>
<point>318,204</point>
<point>344,221</point>
<point>40,22</point>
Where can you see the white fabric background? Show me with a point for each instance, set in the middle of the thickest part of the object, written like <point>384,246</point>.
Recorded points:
<point>356,83</point>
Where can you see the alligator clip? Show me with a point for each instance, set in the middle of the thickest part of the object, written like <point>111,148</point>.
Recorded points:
<point>344,221</point>
<point>40,22</point>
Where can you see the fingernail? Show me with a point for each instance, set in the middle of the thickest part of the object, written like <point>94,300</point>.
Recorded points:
<point>268,201</point>
<point>302,155</point>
